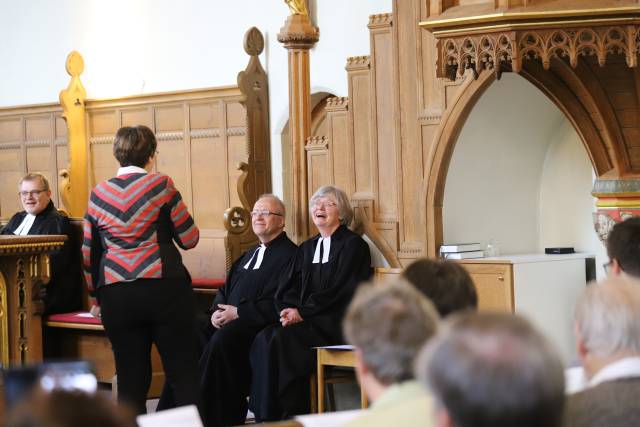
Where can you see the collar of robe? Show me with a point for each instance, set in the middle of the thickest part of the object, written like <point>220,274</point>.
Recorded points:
<point>325,242</point>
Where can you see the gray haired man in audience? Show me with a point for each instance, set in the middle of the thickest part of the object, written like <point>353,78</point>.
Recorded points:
<point>608,339</point>
<point>388,324</point>
<point>492,370</point>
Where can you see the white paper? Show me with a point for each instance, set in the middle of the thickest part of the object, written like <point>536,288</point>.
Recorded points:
<point>185,416</point>
<point>83,315</point>
<point>327,419</point>
<point>345,347</point>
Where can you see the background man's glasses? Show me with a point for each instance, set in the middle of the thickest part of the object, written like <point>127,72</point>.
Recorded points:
<point>264,213</point>
<point>32,193</point>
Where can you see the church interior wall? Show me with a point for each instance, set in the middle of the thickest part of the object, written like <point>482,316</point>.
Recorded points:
<point>149,46</point>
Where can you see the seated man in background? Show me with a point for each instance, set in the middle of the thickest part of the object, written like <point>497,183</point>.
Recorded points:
<point>242,307</point>
<point>388,324</point>
<point>40,216</point>
<point>608,339</point>
<point>492,370</point>
<point>447,284</point>
<point>623,248</point>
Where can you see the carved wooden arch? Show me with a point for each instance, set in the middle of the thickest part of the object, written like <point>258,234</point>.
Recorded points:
<point>562,88</point>
<point>587,113</point>
<point>444,142</point>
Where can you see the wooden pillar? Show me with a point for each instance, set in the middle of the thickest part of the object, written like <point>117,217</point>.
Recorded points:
<point>75,186</point>
<point>298,36</point>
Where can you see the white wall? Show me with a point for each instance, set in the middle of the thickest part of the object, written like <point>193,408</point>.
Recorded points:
<point>141,46</point>
<point>565,197</point>
<point>520,175</point>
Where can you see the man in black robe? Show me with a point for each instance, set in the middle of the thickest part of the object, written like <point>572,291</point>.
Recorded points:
<point>242,307</point>
<point>64,292</point>
<point>312,301</point>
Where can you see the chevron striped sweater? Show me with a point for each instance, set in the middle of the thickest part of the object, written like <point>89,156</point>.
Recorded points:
<point>129,229</point>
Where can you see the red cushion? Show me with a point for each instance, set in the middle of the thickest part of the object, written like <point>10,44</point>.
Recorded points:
<point>207,283</point>
<point>75,317</point>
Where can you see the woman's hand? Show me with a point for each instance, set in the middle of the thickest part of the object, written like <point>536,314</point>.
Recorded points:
<point>289,316</point>
<point>95,311</point>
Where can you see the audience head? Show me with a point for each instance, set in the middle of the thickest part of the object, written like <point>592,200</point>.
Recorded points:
<point>267,217</point>
<point>607,321</point>
<point>69,409</point>
<point>330,208</point>
<point>493,370</point>
<point>623,248</point>
<point>135,146</point>
<point>446,283</point>
<point>34,192</point>
<point>388,323</point>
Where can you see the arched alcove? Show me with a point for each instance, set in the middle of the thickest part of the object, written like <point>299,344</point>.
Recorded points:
<point>519,175</point>
<point>580,94</point>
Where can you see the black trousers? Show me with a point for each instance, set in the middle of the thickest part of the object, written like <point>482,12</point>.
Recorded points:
<point>145,311</point>
<point>226,374</point>
<point>282,360</point>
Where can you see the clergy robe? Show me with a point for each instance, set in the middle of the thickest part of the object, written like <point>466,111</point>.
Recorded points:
<point>64,291</point>
<point>283,358</point>
<point>224,364</point>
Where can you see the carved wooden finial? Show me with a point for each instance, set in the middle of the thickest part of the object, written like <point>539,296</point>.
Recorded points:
<point>253,42</point>
<point>75,64</point>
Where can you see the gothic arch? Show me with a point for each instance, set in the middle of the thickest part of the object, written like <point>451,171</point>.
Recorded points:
<point>577,93</point>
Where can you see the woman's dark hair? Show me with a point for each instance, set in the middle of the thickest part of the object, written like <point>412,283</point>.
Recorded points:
<point>134,145</point>
<point>445,283</point>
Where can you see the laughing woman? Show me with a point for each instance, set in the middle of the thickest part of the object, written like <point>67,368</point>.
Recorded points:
<point>312,300</point>
<point>136,272</point>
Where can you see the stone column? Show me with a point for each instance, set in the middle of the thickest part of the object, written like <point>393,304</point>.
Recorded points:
<point>298,36</point>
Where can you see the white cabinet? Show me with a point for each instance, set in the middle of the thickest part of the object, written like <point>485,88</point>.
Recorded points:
<point>544,288</point>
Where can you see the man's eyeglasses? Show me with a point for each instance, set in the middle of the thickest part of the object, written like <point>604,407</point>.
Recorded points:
<point>264,213</point>
<point>32,193</point>
<point>607,267</point>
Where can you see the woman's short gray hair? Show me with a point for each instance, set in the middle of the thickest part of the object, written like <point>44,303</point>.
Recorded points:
<point>345,212</point>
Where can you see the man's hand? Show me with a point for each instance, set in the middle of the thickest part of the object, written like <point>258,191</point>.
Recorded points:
<point>223,315</point>
<point>289,316</point>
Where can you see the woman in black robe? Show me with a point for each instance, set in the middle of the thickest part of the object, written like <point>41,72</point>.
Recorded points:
<point>311,301</point>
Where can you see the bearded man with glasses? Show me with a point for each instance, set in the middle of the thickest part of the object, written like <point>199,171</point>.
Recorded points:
<point>64,292</point>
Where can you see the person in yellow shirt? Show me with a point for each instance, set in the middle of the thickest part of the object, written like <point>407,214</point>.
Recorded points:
<point>388,324</point>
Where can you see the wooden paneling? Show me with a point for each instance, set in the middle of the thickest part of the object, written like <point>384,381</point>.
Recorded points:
<point>384,143</point>
<point>342,151</point>
<point>360,123</point>
<point>10,129</point>
<point>319,165</point>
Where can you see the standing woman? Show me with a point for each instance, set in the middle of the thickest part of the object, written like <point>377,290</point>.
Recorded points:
<point>312,300</point>
<point>136,272</point>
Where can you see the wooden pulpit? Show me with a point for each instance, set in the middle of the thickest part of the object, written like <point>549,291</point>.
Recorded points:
<point>24,273</point>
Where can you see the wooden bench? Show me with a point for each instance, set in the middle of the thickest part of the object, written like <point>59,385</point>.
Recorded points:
<point>79,335</point>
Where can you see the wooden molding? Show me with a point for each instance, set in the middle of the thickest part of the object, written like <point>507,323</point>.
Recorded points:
<point>358,62</point>
<point>380,20</point>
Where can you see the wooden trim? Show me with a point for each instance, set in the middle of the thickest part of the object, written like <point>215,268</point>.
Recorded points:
<point>551,16</point>
<point>80,326</point>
